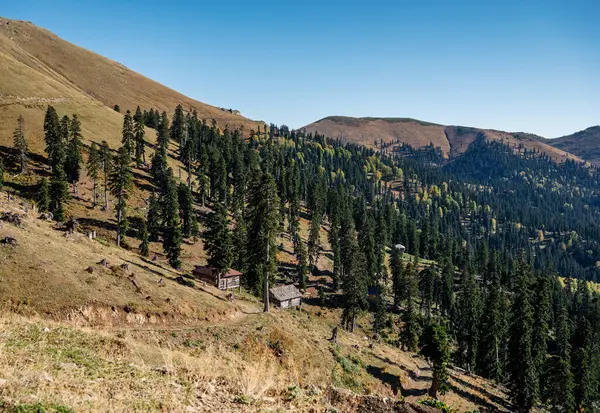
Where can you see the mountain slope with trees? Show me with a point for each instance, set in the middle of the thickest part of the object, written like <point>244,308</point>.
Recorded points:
<point>390,133</point>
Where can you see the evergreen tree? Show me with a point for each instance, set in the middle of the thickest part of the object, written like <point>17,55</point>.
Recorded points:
<point>139,132</point>
<point>52,137</point>
<point>447,286</point>
<point>20,144</point>
<point>172,224</point>
<point>120,183</point>
<point>177,131</point>
<point>74,159</point>
<point>43,196</point>
<point>190,225</point>
<point>128,137</point>
<point>314,241</point>
<point>94,164</point>
<point>541,323</point>
<point>144,240</point>
<point>263,219</point>
<point>59,192</point>
<point>557,391</point>
<point>523,375</point>
<point>436,349</point>
<point>106,160</point>
<point>398,282</point>
<point>493,333</point>
<point>218,240</point>
<point>411,328</point>
<point>302,258</point>
<point>354,281</point>
<point>467,322</point>
<point>154,218</point>
<point>240,241</point>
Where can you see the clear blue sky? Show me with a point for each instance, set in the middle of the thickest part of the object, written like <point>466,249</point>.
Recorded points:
<point>518,65</point>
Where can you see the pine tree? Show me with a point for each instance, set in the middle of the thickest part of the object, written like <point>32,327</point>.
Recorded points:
<point>302,258</point>
<point>314,241</point>
<point>411,328</point>
<point>74,159</point>
<point>177,131</point>
<point>145,241</point>
<point>218,240</point>
<point>187,211</point>
<point>172,224</point>
<point>380,314</point>
<point>139,132</point>
<point>94,165</point>
<point>106,160</point>
<point>557,391</point>
<point>398,282</point>
<point>43,196</point>
<point>263,219</point>
<point>354,281</point>
<point>52,137</point>
<point>523,375</point>
<point>59,192</point>
<point>240,241</point>
<point>468,316</point>
<point>128,137</point>
<point>493,332</point>
<point>120,183</point>
<point>541,324</point>
<point>154,218</point>
<point>447,287</point>
<point>436,349</point>
<point>20,144</point>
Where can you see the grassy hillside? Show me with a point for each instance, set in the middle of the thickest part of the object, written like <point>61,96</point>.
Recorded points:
<point>453,140</point>
<point>585,144</point>
<point>39,68</point>
<point>76,334</point>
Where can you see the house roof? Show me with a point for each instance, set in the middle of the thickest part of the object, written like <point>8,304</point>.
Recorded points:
<point>211,271</point>
<point>285,292</point>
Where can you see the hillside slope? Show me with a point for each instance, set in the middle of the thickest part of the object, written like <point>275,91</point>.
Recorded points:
<point>585,144</point>
<point>94,337</point>
<point>453,140</point>
<point>38,68</point>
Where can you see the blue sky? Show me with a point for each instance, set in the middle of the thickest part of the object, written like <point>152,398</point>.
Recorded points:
<point>522,65</point>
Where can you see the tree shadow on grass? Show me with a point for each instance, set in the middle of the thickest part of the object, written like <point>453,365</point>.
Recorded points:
<point>496,399</point>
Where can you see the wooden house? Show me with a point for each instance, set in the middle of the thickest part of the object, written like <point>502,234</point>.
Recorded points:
<point>232,279</point>
<point>285,296</point>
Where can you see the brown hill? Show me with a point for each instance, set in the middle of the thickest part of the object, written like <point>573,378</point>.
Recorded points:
<point>453,140</point>
<point>38,68</point>
<point>585,144</point>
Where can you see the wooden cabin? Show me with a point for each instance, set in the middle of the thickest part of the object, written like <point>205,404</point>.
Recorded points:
<point>232,279</point>
<point>285,296</point>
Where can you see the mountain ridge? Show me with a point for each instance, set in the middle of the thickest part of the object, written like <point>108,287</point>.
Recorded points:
<point>452,139</point>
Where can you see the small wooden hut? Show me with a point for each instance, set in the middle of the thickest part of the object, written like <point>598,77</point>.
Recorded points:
<point>285,296</point>
<point>232,279</point>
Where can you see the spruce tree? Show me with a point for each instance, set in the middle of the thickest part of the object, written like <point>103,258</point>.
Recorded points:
<point>59,192</point>
<point>144,240</point>
<point>263,226</point>
<point>411,328</point>
<point>74,158</point>
<point>43,196</point>
<point>218,240</point>
<point>354,281</point>
<point>172,224</point>
<point>437,350</point>
<point>52,137</point>
<point>94,164</point>
<point>468,317</point>
<point>541,323</point>
<point>187,211</point>
<point>106,161</point>
<point>398,282</point>
<point>240,242</point>
<point>120,184</point>
<point>154,218</point>
<point>523,375</point>
<point>302,265</point>
<point>177,130</point>
<point>139,132</point>
<point>128,137</point>
<point>20,144</point>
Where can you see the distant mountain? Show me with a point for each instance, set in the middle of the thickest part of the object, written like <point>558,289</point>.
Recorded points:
<point>38,68</point>
<point>453,140</point>
<point>585,144</point>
